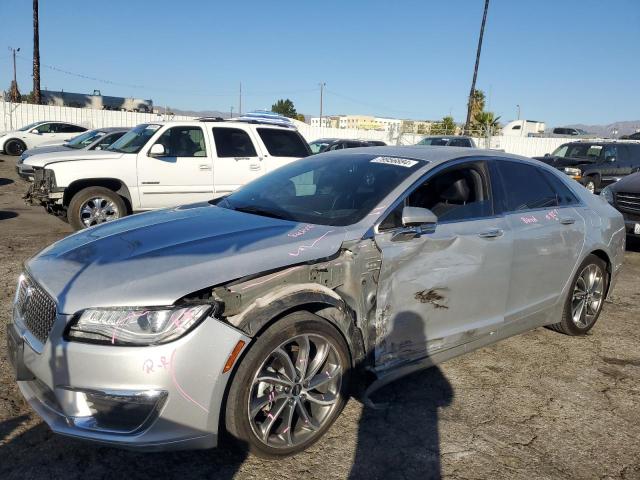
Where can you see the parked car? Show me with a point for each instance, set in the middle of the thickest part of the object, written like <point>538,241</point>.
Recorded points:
<point>633,136</point>
<point>625,197</point>
<point>256,312</point>
<point>158,165</point>
<point>330,144</point>
<point>97,139</point>
<point>38,133</point>
<point>569,131</point>
<point>448,141</point>
<point>595,164</point>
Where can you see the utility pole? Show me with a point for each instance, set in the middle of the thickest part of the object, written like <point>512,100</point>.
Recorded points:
<point>14,93</point>
<point>36,55</point>
<point>240,102</point>
<point>231,113</point>
<point>475,70</point>
<point>518,107</point>
<point>322,85</point>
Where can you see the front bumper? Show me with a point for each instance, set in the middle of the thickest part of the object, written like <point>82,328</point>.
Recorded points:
<point>185,376</point>
<point>25,172</point>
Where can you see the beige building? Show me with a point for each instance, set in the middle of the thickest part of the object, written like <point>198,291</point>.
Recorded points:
<point>369,122</point>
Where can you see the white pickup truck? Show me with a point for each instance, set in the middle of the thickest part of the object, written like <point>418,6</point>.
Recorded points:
<point>157,165</point>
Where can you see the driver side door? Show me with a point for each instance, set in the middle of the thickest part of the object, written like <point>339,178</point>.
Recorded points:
<point>447,288</point>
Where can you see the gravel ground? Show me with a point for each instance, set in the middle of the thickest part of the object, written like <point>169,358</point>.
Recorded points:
<point>540,405</point>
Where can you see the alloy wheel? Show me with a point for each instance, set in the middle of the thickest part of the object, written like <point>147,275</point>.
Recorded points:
<point>587,297</point>
<point>295,391</point>
<point>591,186</point>
<point>98,210</point>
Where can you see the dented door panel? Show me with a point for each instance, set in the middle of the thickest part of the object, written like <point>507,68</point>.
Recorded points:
<point>441,290</point>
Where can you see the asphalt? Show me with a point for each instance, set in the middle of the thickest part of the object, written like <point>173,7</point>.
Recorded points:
<point>539,405</point>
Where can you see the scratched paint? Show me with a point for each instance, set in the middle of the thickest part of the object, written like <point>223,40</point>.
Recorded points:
<point>431,296</point>
<point>552,215</point>
<point>302,248</point>
<point>528,219</point>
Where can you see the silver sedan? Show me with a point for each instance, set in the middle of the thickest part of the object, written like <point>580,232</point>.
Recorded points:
<point>256,312</point>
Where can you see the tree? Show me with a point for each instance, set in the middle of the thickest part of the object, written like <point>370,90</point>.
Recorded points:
<point>36,55</point>
<point>285,107</point>
<point>477,103</point>
<point>445,127</point>
<point>486,123</point>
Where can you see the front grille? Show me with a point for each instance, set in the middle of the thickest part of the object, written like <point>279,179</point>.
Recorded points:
<point>36,307</point>
<point>628,202</point>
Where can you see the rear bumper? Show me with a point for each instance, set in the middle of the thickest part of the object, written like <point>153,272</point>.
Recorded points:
<point>185,376</point>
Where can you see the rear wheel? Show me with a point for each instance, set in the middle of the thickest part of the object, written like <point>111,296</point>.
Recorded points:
<point>585,299</point>
<point>14,147</point>
<point>591,184</point>
<point>290,387</point>
<point>93,206</point>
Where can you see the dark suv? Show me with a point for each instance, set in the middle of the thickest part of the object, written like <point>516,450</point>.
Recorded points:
<point>625,197</point>
<point>595,164</point>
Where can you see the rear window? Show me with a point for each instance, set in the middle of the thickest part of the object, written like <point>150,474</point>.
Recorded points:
<point>233,142</point>
<point>283,143</point>
<point>525,187</point>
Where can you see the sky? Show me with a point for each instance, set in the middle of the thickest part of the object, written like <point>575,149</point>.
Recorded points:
<point>562,61</point>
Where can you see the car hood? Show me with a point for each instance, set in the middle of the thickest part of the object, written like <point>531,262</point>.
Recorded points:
<point>48,149</point>
<point>69,155</point>
<point>629,184</point>
<point>158,257</point>
<point>560,162</point>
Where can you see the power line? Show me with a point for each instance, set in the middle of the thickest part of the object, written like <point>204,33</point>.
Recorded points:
<point>378,107</point>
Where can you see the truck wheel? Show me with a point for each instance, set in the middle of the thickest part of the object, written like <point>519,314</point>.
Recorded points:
<point>14,147</point>
<point>591,184</point>
<point>93,206</point>
<point>290,386</point>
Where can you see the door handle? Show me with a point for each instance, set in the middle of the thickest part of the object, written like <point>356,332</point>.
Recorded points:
<point>205,167</point>
<point>567,221</point>
<point>241,158</point>
<point>493,233</point>
<point>254,166</point>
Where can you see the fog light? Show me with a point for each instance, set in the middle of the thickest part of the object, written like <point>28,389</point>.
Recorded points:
<point>116,411</point>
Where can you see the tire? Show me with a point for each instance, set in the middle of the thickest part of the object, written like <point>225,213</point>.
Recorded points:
<point>95,205</point>
<point>592,184</point>
<point>279,404</point>
<point>569,325</point>
<point>14,147</point>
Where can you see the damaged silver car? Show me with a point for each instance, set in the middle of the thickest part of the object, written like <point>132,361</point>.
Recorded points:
<point>256,314</point>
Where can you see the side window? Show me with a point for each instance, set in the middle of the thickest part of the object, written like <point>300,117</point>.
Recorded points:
<point>609,153</point>
<point>67,128</point>
<point>183,142</point>
<point>459,142</point>
<point>524,187</point>
<point>564,196</point>
<point>283,143</point>
<point>47,128</point>
<point>233,142</point>
<point>459,193</point>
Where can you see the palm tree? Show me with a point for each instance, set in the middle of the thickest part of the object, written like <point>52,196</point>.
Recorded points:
<point>486,122</point>
<point>36,55</point>
<point>477,103</point>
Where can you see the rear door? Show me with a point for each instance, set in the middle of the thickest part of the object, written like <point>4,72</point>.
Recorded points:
<point>612,164</point>
<point>548,235</point>
<point>237,160</point>
<point>447,287</point>
<point>184,174</point>
<point>281,146</point>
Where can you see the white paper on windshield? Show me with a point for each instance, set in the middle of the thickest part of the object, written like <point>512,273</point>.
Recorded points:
<point>152,127</point>
<point>399,162</point>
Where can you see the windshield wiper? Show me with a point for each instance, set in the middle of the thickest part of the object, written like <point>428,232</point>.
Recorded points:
<point>260,211</point>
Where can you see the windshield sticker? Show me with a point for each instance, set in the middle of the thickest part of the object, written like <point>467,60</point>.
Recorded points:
<point>400,162</point>
<point>153,128</point>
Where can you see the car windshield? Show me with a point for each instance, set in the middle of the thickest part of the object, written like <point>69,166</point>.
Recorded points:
<point>29,127</point>
<point>434,141</point>
<point>332,189</point>
<point>318,146</point>
<point>583,151</point>
<point>85,139</point>
<point>134,139</point>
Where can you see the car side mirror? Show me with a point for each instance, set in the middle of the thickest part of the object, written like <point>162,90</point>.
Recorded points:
<point>157,150</point>
<point>547,154</point>
<point>415,222</point>
<point>35,132</point>
<point>610,158</point>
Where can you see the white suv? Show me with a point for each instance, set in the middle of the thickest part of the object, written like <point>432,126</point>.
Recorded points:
<point>39,133</point>
<point>157,165</point>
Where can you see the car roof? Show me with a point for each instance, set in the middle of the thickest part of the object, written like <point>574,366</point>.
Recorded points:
<point>431,154</point>
<point>219,122</point>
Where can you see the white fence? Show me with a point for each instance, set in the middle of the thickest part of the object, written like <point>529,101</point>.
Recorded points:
<point>16,115</point>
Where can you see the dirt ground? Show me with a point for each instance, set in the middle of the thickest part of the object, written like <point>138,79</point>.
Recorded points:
<point>540,405</point>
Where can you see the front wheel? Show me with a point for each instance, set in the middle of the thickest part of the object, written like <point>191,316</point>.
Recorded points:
<point>290,387</point>
<point>591,184</point>
<point>585,299</point>
<point>14,147</point>
<point>93,206</point>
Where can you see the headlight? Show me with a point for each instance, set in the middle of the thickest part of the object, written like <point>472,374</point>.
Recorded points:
<point>607,194</point>
<point>574,172</point>
<point>139,326</point>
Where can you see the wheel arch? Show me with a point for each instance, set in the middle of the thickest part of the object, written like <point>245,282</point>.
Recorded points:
<point>114,184</point>
<point>604,256</point>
